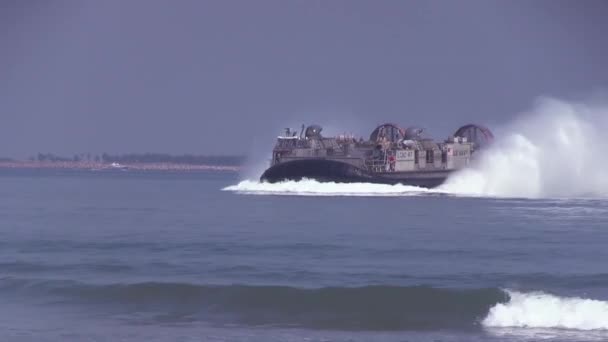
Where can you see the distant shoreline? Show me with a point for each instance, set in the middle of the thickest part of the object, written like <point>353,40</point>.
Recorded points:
<point>99,166</point>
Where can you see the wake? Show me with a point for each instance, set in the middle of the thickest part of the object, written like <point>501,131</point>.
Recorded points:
<point>309,187</point>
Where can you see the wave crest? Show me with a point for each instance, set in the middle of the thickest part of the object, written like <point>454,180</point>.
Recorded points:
<point>541,310</point>
<point>337,308</point>
<point>377,307</point>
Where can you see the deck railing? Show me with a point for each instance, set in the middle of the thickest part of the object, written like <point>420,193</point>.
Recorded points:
<point>377,165</point>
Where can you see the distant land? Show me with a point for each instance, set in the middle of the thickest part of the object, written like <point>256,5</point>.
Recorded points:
<point>131,161</point>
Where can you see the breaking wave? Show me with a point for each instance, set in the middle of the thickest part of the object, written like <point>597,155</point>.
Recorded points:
<point>340,308</point>
<point>309,187</point>
<point>541,310</point>
<point>557,150</point>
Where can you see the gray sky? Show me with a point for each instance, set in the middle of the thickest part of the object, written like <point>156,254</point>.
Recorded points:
<point>211,77</point>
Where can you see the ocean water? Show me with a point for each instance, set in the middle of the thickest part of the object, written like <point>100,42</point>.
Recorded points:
<point>132,256</point>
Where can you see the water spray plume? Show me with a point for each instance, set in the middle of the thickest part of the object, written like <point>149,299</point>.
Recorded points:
<point>557,150</point>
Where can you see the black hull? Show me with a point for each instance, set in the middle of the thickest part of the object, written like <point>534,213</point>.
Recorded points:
<point>324,170</point>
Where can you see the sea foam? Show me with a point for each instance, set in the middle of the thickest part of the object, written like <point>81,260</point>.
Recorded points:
<point>308,187</point>
<point>541,310</point>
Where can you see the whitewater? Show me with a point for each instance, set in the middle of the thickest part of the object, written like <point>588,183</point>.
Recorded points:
<point>542,310</point>
<point>556,150</point>
<point>311,187</point>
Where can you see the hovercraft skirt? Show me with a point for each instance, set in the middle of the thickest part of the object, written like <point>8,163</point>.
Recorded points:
<point>325,170</point>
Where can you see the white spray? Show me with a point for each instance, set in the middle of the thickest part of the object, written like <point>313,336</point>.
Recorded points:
<point>541,310</point>
<point>558,150</point>
<point>310,187</point>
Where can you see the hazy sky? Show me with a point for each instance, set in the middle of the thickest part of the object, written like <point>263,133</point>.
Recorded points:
<point>221,76</point>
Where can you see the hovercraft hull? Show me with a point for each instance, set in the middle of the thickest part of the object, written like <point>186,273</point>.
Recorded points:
<point>326,170</point>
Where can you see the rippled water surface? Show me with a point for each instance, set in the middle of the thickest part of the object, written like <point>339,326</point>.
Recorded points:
<point>94,256</point>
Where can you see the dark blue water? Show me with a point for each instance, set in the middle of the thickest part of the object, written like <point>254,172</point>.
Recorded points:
<point>90,256</point>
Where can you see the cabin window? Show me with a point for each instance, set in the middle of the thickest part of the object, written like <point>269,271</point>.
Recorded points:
<point>430,157</point>
<point>416,157</point>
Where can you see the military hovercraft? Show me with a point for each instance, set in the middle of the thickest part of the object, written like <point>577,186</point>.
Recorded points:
<point>391,155</point>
